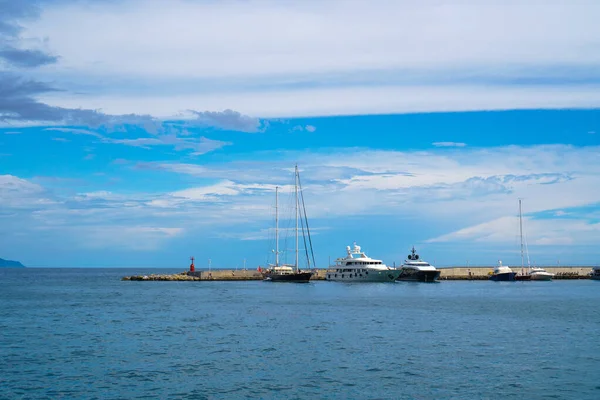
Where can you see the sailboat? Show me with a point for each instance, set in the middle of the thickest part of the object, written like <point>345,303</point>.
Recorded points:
<point>290,273</point>
<point>522,276</point>
<point>533,273</point>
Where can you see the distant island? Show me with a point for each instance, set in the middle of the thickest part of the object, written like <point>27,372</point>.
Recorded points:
<point>10,264</point>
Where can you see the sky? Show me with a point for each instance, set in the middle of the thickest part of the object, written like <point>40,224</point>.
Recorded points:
<point>139,133</point>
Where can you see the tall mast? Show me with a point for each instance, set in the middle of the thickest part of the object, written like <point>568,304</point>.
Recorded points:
<point>521,234</point>
<point>296,187</point>
<point>276,228</point>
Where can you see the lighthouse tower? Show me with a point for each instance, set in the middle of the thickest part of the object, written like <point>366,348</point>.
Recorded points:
<point>192,268</point>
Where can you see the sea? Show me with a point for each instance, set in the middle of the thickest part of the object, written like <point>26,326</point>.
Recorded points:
<point>85,334</point>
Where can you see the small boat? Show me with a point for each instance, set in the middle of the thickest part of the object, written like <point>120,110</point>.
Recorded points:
<point>502,273</point>
<point>417,270</point>
<point>358,267</point>
<point>540,274</point>
<point>595,274</point>
<point>289,273</point>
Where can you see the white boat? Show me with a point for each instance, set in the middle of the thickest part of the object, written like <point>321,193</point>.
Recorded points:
<point>595,274</point>
<point>417,270</point>
<point>358,267</point>
<point>540,274</point>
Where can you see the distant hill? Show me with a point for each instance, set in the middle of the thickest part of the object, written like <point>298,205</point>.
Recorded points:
<point>10,264</point>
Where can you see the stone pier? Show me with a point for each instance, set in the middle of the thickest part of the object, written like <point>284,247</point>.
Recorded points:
<point>453,273</point>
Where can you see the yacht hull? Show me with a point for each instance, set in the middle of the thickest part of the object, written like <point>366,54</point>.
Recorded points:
<point>356,277</point>
<point>503,277</point>
<point>298,277</point>
<point>413,275</point>
<point>541,276</point>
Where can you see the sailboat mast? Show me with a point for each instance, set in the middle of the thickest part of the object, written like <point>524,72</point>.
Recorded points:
<point>296,187</point>
<point>521,233</point>
<point>276,228</point>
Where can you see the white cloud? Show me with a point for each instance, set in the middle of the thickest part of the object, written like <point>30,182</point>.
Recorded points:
<point>75,131</point>
<point>322,36</point>
<point>303,128</point>
<point>329,57</point>
<point>349,100</point>
<point>449,144</point>
<point>471,192</point>
<point>546,232</point>
<point>21,194</point>
<point>199,146</point>
<point>223,188</point>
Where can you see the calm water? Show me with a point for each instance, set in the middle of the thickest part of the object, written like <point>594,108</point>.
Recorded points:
<point>79,333</point>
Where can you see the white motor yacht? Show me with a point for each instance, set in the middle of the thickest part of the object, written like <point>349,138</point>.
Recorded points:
<point>540,274</point>
<point>358,267</point>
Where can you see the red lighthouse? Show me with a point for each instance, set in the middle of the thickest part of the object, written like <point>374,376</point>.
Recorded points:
<point>192,268</point>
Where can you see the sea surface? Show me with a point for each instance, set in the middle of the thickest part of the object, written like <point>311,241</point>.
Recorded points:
<point>85,334</point>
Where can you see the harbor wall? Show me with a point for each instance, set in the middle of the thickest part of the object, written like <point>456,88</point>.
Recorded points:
<point>477,272</point>
<point>453,273</point>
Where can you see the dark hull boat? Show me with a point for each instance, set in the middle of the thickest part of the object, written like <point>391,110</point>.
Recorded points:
<point>413,275</point>
<point>291,273</point>
<point>503,277</point>
<point>298,277</point>
<point>415,270</point>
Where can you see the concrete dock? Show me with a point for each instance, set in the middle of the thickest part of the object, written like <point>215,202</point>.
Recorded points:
<point>454,273</point>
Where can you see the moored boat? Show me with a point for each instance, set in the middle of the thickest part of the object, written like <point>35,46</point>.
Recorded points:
<point>540,274</point>
<point>289,273</point>
<point>533,273</point>
<point>502,273</point>
<point>286,273</point>
<point>417,270</point>
<point>358,267</point>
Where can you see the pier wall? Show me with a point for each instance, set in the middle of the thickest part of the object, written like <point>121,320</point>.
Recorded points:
<point>453,273</point>
<point>477,272</point>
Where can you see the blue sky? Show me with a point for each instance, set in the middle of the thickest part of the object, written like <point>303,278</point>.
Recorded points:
<point>161,129</point>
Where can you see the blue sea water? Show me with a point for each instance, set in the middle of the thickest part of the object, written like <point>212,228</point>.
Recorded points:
<point>84,333</point>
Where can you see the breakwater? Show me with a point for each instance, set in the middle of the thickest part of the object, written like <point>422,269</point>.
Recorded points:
<point>454,273</point>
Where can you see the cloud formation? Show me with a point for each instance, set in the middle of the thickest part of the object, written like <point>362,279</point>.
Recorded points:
<point>302,128</point>
<point>385,63</point>
<point>469,194</point>
<point>228,120</point>
<point>26,58</point>
<point>449,144</point>
<point>11,52</point>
